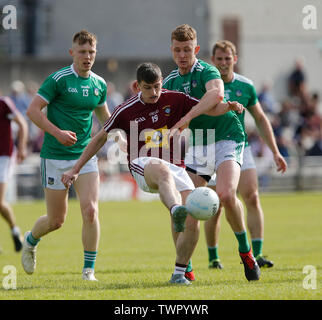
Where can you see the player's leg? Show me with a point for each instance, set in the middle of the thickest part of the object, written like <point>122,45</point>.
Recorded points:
<point>7,213</point>
<point>56,205</point>
<point>87,188</point>
<point>228,173</point>
<point>56,197</point>
<point>168,179</point>
<point>248,188</point>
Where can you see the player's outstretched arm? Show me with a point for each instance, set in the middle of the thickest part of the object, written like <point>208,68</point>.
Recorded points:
<point>266,131</point>
<point>92,148</point>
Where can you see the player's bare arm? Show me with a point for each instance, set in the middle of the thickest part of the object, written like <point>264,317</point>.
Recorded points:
<point>102,113</point>
<point>22,136</point>
<point>35,114</point>
<point>92,148</point>
<point>266,132</point>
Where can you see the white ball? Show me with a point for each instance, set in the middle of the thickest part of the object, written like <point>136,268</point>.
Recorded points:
<point>202,203</point>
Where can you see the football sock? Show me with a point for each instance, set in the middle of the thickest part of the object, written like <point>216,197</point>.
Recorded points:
<point>31,240</point>
<point>15,231</point>
<point>242,241</point>
<point>257,245</point>
<point>179,268</point>
<point>89,259</point>
<point>189,266</point>
<point>213,253</point>
<point>174,207</point>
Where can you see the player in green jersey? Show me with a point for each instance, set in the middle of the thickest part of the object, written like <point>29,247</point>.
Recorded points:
<point>241,89</point>
<point>70,95</point>
<point>219,151</point>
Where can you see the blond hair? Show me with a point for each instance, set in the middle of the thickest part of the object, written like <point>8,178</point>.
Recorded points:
<point>224,45</point>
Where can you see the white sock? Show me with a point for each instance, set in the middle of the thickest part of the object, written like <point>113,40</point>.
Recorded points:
<point>174,207</point>
<point>15,231</point>
<point>179,270</point>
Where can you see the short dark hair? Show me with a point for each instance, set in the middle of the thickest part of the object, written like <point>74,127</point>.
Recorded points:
<point>148,72</point>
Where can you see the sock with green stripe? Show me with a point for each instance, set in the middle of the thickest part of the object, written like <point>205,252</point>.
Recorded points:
<point>31,240</point>
<point>213,253</point>
<point>89,259</point>
<point>242,241</point>
<point>257,245</point>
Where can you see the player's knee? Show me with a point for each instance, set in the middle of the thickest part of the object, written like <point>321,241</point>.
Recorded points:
<point>227,198</point>
<point>90,213</point>
<point>252,199</point>
<point>164,173</point>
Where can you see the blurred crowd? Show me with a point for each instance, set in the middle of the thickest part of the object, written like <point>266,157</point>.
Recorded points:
<point>296,121</point>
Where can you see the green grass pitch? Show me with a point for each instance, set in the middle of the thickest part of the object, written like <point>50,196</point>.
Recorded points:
<point>136,255</point>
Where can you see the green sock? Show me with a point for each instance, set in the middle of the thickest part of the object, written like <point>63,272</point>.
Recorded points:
<point>242,241</point>
<point>257,245</point>
<point>189,266</point>
<point>89,259</point>
<point>213,253</point>
<point>31,240</point>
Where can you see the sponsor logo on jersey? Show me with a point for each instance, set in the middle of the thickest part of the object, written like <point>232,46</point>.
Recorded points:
<point>72,90</point>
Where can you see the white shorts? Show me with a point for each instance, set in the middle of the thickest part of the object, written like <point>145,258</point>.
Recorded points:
<point>181,177</point>
<point>205,160</point>
<point>52,170</point>
<point>6,168</point>
<point>248,163</point>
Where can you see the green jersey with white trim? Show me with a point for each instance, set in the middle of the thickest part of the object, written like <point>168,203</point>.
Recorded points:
<point>241,89</point>
<point>227,126</point>
<point>71,100</point>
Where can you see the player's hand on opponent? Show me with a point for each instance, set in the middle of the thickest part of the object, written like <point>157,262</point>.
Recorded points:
<point>235,106</point>
<point>69,177</point>
<point>280,163</point>
<point>67,138</point>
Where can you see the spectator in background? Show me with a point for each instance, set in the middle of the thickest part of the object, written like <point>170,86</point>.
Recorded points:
<point>266,99</point>
<point>19,97</point>
<point>114,97</point>
<point>297,82</point>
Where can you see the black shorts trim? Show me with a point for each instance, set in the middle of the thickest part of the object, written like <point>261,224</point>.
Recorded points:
<point>203,176</point>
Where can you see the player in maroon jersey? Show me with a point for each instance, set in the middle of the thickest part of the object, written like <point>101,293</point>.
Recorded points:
<point>155,160</point>
<point>8,113</point>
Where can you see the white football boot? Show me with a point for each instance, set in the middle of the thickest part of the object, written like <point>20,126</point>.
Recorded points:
<point>28,257</point>
<point>88,274</point>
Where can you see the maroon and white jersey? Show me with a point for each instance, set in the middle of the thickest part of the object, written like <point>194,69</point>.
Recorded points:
<point>147,125</point>
<point>7,112</point>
